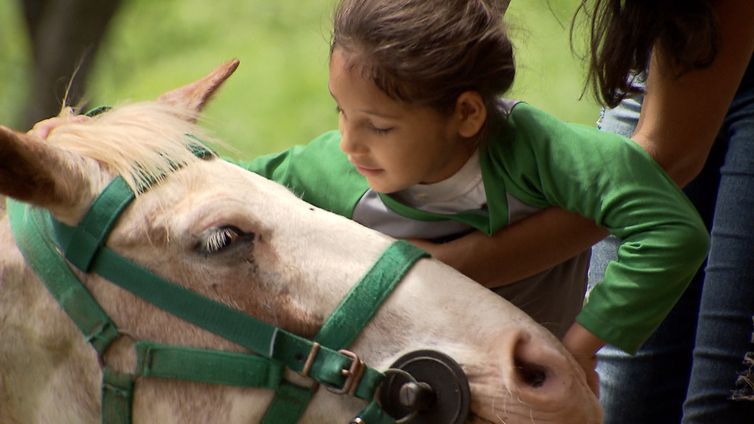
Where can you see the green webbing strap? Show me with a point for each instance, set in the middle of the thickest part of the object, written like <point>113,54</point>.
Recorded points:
<point>154,360</point>
<point>84,246</point>
<point>348,320</point>
<point>84,241</point>
<point>374,414</point>
<point>361,303</point>
<point>29,226</point>
<point>117,397</point>
<point>207,366</point>
<point>289,404</point>
<point>229,323</point>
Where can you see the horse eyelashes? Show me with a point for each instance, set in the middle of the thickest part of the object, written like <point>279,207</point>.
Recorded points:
<point>222,238</point>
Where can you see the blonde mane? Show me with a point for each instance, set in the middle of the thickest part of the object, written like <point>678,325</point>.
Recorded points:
<point>142,142</point>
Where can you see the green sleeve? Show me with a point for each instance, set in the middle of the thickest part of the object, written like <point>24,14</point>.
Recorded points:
<point>317,172</point>
<point>613,181</point>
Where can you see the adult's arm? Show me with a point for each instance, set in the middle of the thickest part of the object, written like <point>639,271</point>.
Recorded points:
<point>679,120</point>
<point>681,116</point>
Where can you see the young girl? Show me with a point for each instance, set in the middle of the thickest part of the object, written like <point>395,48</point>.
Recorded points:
<point>427,150</point>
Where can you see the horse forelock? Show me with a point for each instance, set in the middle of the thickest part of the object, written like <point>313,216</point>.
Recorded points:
<point>142,142</point>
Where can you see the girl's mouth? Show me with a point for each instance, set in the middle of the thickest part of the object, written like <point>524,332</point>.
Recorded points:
<point>366,170</point>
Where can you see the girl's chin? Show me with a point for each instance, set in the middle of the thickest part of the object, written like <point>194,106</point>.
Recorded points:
<point>381,187</point>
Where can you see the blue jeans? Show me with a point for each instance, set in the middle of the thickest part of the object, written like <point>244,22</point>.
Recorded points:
<point>694,368</point>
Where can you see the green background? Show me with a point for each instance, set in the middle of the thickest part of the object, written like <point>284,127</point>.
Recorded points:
<point>278,96</point>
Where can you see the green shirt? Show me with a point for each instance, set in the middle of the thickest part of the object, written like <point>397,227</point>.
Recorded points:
<point>543,162</point>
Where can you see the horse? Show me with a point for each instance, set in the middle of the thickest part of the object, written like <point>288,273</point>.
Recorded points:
<point>255,248</point>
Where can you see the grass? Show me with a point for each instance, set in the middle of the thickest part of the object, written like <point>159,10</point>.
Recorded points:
<point>278,97</point>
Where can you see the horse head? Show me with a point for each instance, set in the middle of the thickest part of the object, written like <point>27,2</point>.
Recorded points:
<point>254,248</point>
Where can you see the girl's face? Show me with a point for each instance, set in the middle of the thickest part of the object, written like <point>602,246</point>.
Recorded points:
<point>394,145</point>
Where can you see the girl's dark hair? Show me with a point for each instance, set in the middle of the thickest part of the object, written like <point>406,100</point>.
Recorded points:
<point>427,52</point>
<point>623,33</point>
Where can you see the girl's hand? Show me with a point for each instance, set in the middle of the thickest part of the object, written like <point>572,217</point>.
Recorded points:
<point>445,252</point>
<point>584,345</point>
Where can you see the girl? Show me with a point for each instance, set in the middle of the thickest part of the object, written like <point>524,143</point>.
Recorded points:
<point>427,150</point>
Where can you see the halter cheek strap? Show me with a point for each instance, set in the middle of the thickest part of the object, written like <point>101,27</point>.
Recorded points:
<point>322,360</point>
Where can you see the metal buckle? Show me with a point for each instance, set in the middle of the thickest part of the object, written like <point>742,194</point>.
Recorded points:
<point>353,374</point>
<point>310,360</point>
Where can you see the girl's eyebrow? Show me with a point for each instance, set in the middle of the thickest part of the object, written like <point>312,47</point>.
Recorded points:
<point>380,114</point>
<point>367,111</point>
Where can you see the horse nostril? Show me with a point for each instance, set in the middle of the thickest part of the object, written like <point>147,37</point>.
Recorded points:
<point>532,375</point>
<point>534,365</point>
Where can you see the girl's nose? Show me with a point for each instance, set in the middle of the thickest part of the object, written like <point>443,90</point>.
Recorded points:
<point>349,142</point>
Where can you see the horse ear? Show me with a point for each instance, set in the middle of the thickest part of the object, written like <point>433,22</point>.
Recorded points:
<point>38,173</point>
<point>195,96</point>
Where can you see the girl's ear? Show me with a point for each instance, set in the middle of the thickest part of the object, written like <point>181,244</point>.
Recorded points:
<point>471,113</point>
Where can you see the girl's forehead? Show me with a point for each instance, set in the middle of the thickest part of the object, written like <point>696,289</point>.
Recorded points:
<point>351,88</point>
<point>342,60</point>
<point>347,83</point>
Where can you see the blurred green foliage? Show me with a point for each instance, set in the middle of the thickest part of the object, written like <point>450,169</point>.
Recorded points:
<point>278,96</point>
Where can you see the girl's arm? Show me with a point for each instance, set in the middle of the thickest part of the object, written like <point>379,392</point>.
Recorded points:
<point>519,250</point>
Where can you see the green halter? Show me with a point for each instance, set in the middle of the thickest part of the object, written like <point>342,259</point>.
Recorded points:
<point>40,238</point>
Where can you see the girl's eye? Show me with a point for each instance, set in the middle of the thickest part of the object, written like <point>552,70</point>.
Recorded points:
<point>222,238</point>
<point>378,130</point>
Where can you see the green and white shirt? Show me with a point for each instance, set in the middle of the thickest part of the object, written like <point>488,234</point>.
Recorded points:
<point>534,162</point>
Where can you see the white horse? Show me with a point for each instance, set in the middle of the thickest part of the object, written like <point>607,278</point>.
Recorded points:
<point>248,243</point>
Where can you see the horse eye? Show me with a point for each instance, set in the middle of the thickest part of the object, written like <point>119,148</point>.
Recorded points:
<point>222,238</point>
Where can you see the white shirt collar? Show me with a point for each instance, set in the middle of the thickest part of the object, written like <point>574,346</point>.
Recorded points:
<point>461,191</point>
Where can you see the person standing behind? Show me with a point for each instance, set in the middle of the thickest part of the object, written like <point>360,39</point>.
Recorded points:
<point>693,111</point>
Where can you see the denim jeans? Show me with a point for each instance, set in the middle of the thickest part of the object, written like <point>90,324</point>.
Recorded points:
<point>693,369</point>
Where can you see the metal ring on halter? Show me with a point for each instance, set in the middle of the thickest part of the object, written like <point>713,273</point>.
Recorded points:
<point>411,378</point>
<point>122,335</point>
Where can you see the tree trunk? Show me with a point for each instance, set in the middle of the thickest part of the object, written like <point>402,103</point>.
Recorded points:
<point>65,36</point>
